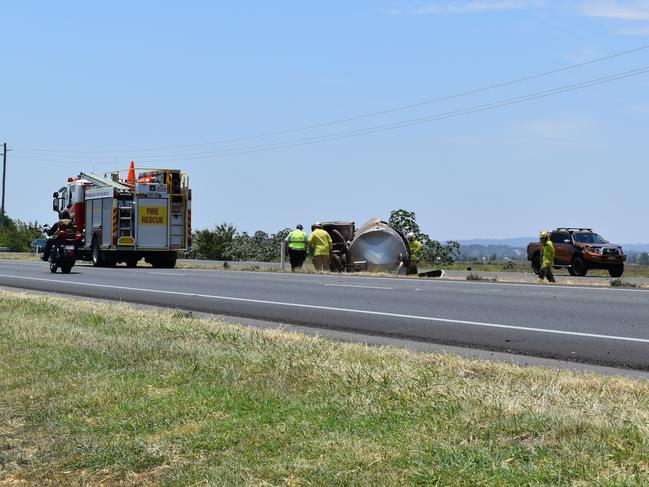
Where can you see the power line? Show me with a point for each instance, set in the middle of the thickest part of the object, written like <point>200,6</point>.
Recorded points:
<point>417,121</point>
<point>403,123</point>
<point>357,117</point>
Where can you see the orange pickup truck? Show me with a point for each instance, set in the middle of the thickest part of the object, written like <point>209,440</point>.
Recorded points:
<point>578,250</point>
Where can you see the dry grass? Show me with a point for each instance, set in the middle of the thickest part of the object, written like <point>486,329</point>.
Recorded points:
<point>18,256</point>
<point>96,394</point>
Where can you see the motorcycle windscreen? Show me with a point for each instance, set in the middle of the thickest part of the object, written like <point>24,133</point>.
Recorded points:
<point>152,223</point>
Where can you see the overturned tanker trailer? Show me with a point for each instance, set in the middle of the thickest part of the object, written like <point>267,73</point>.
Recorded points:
<point>378,247</point>
<point>374,247</point>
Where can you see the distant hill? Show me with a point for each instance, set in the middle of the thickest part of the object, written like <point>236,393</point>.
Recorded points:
<point>639,247</point>
<point>509,242</point>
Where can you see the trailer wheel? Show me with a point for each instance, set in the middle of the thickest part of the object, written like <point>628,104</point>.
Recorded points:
<point>131,261</point>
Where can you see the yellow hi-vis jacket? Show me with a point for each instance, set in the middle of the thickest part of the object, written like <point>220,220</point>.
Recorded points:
<point>547,254</point>
<point>320,242</point>
<point>415,249</point>
<point>297,240</point>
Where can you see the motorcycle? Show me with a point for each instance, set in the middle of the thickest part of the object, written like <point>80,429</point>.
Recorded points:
<point>64,250</point>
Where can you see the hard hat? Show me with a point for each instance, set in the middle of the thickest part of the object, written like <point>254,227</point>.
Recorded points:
<point>299,226</point>
<point>64,215</point>
<point>545,234</point>
<point>410,235</point>
<point>317,225</point>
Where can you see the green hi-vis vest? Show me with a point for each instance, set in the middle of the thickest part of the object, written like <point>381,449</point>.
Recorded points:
<point>547,254</point>
<point>415,249</point>
<point>297,240</point>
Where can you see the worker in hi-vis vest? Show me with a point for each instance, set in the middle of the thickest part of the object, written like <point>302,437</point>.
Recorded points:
<point>415,252</point>
<point>547,257</point>
<point>296,246</point>
<point>321,246</point>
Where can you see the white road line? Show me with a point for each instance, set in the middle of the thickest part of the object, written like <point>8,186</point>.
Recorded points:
<point>362,287</point>
<point>166,274</point>
<point>342,310</point>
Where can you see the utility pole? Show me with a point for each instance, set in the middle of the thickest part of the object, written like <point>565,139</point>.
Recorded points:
<point>4,178</point>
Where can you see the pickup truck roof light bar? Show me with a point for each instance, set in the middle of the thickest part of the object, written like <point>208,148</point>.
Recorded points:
<point>572,229</point>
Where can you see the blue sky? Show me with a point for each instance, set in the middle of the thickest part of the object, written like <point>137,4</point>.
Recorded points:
<point>93,85</point>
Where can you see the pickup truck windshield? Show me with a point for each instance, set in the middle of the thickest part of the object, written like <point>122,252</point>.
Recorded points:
<point>588,238</point>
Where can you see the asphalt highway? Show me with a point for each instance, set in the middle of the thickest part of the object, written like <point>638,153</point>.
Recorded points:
<point>606,326</point>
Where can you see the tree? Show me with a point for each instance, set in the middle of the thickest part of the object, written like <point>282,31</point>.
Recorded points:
<point>213,244</point>
<point>16,235</point>
<point>405,221</point>
<point>225,243</point>
<point>433,252</point>
<point>643,259</point>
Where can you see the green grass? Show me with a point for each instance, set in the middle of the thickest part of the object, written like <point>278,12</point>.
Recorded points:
<point>102,394</point>
<point>621,283</point>
<point>477,277</point>
<point>630,270</point>
<point>18,256</point>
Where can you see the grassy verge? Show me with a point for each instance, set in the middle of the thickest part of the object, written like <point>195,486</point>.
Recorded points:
<point>621,283</point>
<point>95,393</point>
<point>630,270</point>
<point>18,256</point>
<point>477,277</point>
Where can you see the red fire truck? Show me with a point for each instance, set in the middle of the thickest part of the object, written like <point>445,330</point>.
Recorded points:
<point>147,216</point>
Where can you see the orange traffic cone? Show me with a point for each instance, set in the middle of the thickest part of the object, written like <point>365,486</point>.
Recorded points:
<point>131,174</point>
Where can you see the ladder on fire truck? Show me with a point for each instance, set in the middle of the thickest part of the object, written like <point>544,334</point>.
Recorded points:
<point>101,181</point>
<point>124,221</point>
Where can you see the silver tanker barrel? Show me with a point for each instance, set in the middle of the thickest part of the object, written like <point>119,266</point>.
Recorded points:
<point>378,247</point>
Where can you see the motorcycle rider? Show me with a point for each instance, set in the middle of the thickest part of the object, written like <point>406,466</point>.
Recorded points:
<point>64,223</point>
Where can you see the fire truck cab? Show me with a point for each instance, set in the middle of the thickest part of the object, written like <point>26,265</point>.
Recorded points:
<point>124,220</point>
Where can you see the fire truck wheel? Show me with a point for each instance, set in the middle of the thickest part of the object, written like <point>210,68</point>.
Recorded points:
<point>165,260</point>
<point>109,260</point>
<point>65,269</point>
<point>96,253</point>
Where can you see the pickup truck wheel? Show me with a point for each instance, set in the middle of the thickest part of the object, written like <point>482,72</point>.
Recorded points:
<point>579,266</point>
<point>616,270</point>
<point>536,264</point>
<point>571,271</point>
